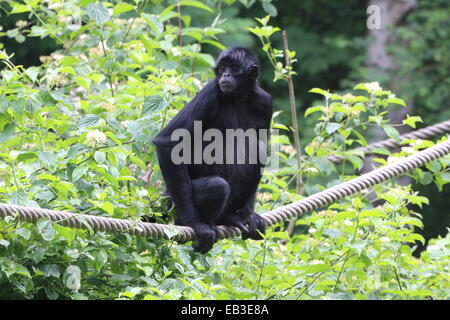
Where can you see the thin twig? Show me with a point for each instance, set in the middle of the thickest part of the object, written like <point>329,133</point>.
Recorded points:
<point>109,74</point>
<point>299,184</point>
<point>122,43</point>
<point>180,25</point>
<point>262,268</point>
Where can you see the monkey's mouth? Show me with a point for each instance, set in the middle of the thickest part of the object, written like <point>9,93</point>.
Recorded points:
<point>226,86</point>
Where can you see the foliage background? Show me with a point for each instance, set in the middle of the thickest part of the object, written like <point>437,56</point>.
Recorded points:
<point>99,79</point>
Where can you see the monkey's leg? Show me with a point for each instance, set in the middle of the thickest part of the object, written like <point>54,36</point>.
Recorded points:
<point>210,197</point>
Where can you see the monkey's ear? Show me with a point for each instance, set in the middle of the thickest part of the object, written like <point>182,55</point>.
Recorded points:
<point>254,71</point>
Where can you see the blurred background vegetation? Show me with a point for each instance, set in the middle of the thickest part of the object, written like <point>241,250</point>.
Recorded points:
<point>331,40</point>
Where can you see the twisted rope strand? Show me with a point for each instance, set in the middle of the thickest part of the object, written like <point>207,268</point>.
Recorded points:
<point>424,133</point>
<point>156,230</point>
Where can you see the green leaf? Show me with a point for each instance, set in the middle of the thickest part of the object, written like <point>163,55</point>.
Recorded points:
<point>154,22</point>
<point>46,229</point>
<point>416,237</point>
<point>98,13</point>
<point>264,20</point>
<point>20,8</point>
<point>396,101</point>
<point>72,278</point>
<point>392,133</point>
<point>68,70</point>
<point>45,195</point>
<point>17,105</point>
<point>313,268</point>
<point>4,243</point>
<point>360,86</point>
<point>9,75</point>
<point>411,121</point>
<point>84,82</point>
<point>24,233</point>
<point>154,103</point>
<point>126,178</point>
<point>26,156</point>
<point>45,97</point>
<point>8,132</point>
<point>18,197</point>
<point>89,120</point>
<point>38,31</point>
<point>445,176</point>
<point>170,232</point>
<point>383,151</point>
<point>269,8</point>
<point>69,61</point>
<point>361,139</point>
<point>12,267</point>
<point>207,58</point>
<point>419,200</point>
<point>215,43</point>
<point>434,166</point>
<point>76,150</point>
<point>3,105</point>
<point>48,159</point>
<point>32,73</point>
<point>139,162</point>
<point>312,110</point>
<point>258,31</point>
<point>196,4</point>
<point>267,31</point>
<point>46,176</point>
<point>309,150</point>
<point>79,172</point>
<point>12,33</point>
<point>122,7</point>
<point>412,221</point>
<point>99,157</point>
<point>320,91</point>
<point>373,213</point>
<point>332,127</point>
<point>20,38</point>
<point>355,161</point>
<point>106,206</point>
<point>280,126</point>
<point>50,270</point>
<point>67,233</point>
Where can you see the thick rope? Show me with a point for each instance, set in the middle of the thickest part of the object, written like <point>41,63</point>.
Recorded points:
<point>155,230</point>
<point>424,133</point>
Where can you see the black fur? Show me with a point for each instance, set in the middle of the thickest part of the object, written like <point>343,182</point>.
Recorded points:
<point>209,195</point>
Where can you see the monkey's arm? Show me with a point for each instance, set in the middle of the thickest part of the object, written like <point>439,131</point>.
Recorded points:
<point>246,219</point>
<point>176,176</point>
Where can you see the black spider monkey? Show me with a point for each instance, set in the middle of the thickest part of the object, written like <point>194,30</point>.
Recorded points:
<point>206,195</point>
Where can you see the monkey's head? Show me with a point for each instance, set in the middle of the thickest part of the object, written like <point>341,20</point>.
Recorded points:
<point>237,69</point>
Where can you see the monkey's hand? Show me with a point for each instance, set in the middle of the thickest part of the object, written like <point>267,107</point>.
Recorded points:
<point>256,225</point>
<point>248,224</point>
<point>234,220</point>
<point>206,236</point>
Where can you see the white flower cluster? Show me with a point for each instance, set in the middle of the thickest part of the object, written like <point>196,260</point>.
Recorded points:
<point>373,86</point>
<point>96,136</point>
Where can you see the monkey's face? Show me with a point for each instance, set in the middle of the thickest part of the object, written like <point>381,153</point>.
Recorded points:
<point>228,77</point>
<point>234,77</point>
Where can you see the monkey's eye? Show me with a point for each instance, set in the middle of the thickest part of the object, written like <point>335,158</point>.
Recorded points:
<point>234,68</point>
<point>221,69</point>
